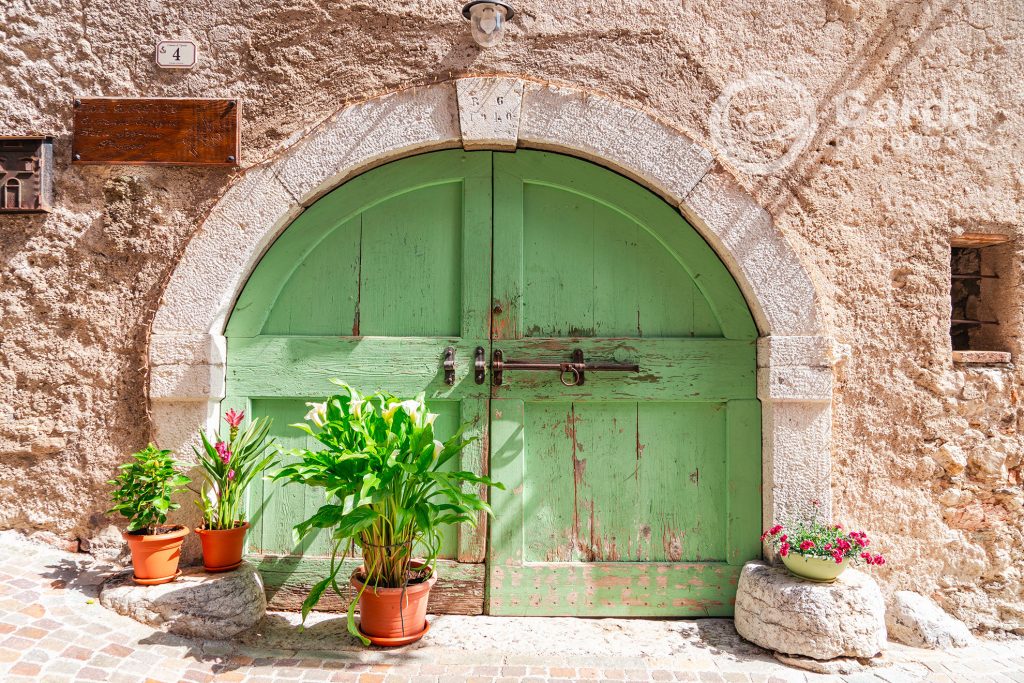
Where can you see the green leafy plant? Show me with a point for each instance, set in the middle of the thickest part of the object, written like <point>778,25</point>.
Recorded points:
<point>144,488</point>
<point>381,470</point>
<point>230,466</point>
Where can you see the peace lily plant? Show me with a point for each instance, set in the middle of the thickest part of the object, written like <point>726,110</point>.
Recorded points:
<point>381,470</point>
<point>228,468</point>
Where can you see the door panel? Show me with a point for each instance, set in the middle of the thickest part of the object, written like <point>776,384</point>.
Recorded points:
<point>634,493</point>
<point>369,285</point>
<point>623,493</point>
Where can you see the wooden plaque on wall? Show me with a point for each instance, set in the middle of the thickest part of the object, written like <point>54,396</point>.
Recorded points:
<point>110,130</point>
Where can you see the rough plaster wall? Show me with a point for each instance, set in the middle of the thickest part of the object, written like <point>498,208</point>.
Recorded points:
<point>870,211</point>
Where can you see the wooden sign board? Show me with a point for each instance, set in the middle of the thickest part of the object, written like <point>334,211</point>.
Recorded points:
<point>190,132</point>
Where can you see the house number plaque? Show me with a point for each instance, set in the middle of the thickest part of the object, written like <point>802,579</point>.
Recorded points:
<point>192,132</point>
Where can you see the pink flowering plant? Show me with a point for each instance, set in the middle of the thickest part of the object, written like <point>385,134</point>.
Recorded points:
<point>824,541</point>
<point>229,466</point>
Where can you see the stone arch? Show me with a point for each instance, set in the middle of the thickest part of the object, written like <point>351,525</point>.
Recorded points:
<point>187,349</point>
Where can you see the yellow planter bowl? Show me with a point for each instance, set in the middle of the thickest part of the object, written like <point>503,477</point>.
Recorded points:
<point>814,568</point>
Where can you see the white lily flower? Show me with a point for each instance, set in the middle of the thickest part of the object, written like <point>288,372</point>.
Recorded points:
<point>438,449</point>
<point>429,420</point>
<point>413,408</point>
<point>389,412</point>
<point>356,406</point>
<point>317,414</point>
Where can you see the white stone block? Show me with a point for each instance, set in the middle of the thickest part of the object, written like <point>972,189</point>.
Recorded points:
<point>795,383</point>
<point>220,257</point>
<point>197,604</point>
<point>781,612</point>
<point>796,461</point>
<point>186,382</point>
<point>489,112</point>
<point>768,271</point>
<point>915,620</point>
<point>612,134</point>
<point>187,349</point>
<point>369,133</point>
<point>781,351</point>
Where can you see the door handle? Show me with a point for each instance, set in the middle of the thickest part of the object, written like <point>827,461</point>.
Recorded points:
<point>572,373</point>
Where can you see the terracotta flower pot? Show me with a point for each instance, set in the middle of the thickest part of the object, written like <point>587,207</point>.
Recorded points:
<point>389,618</point>
<point>155,558</point>
<point>222,548</point>
<point>814,568</point>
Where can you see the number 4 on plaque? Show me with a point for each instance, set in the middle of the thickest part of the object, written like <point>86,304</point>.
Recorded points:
<point>176,54</point>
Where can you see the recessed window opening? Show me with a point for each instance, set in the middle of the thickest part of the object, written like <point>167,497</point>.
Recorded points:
<point>977,293</point>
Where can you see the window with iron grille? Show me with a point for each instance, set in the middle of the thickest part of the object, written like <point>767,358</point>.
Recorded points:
<point>978,315</point>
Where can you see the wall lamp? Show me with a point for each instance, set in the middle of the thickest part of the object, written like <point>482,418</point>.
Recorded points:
<point>487,19</point>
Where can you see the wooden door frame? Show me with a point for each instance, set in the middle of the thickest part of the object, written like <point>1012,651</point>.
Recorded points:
<point>186,350</point>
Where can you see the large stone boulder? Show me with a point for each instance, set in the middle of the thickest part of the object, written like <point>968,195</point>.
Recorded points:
<point>197,604</point>
<point>915,620</point>
<point>781,612</point>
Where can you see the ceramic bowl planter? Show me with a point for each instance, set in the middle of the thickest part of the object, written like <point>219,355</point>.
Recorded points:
<point>812,568</point>
<point>155,557</point>
<point>222,548</point>
<point>391,617</point>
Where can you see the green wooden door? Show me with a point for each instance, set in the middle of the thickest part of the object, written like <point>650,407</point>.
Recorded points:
<point>635,493</point>
<point>370,285</point>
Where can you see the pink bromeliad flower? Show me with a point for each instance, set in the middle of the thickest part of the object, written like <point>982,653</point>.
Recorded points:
<point>233,418</point>
<point>231,475</point>
<point>223,452</point>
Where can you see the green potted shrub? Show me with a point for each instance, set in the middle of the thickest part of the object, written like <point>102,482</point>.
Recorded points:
<point>380,468</point>
<point>228,469</point>
<point>143,491</point>
<point>820,552</point>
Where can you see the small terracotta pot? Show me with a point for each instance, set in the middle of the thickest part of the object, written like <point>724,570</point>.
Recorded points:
<point>222,548</point>
<point>814,568</point>
<point>155,558</point>
<point>390,618</point>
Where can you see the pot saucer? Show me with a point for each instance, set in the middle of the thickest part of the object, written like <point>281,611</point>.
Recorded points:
<point>396,642</point>
<point>227,568</point>
<point>155,582</point>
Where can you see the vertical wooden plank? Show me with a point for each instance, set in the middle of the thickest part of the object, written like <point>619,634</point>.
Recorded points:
<point>744,476</point>
<point>618,270</point>
<point>303,303</point>
<point>558,263</point>
<point>472,543</point>
<point>507,280</point>
<point>282,506</point>
<point>411,264</point>
<point>477,234</point>
<point>549,520</point>
<point>608,508</point>
<point>508,445</point>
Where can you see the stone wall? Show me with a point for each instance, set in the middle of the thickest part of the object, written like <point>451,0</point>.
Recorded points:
<point>926,454</point>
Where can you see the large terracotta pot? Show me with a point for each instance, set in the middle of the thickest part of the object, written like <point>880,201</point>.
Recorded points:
<point>222,548</point>
<point>814,568</point>
<point>390,618</point>
<point>155,558</point>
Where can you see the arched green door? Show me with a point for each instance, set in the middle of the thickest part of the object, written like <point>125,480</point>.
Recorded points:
<point>633,493</point>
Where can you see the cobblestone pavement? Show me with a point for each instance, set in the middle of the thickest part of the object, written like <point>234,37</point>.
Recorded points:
<point>52,628</point>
